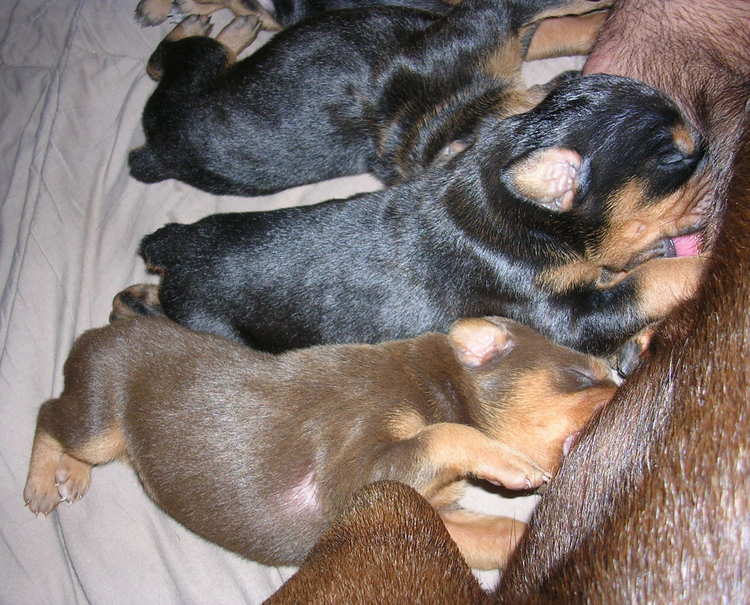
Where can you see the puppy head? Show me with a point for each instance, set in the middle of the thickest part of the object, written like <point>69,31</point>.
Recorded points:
<point>603,162</point>
<point>526,390</point>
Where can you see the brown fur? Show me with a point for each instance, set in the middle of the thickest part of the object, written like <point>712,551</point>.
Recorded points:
<point>409,555</point>
<point>215,429</point>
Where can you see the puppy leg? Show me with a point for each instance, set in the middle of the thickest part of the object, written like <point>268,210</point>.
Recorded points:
<point>238,35</point>
<point>253,8</point>
<point>485,541</point>
<point>152,12</point>
<point>560,36</point>
<point>166,57</point>
<point>66,445</point>
<point>443,453</point>
<point>663,283</point>
<point>136,301</point>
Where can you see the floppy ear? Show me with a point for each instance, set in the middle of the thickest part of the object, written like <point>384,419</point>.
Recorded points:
<point>478,341</point>
<point>548,177</point>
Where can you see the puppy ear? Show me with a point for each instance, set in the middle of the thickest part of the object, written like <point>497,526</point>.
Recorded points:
<point>478,341</point>
<point>548,177</point>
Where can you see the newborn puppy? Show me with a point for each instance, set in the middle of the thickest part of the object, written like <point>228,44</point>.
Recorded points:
<point>259,453</point>
<point>389,90</point>
<point>547,218</point>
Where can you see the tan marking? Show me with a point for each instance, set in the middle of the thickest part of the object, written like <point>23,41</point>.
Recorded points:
<point>663,283</point>
<point>485,541</point>
<point>189,26</point>
<point>72,478</point>
<point>404,424</point>
<point>577,7</point>
<point>238,35</point>
<point>563,36</point>
<point>207,7</point>
<point>538,416</point>
<point>571,275</point>
<point>683,139</point>
<point>148,294</point>
<point>101,449</point>
<point>505,61</point>
<point>40,493</point>
<point>635,226</point>
<point>199,7</point>
<point>455,451</point>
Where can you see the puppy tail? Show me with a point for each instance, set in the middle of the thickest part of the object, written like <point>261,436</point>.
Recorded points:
<point>166,246</point>
<point>145,166</point>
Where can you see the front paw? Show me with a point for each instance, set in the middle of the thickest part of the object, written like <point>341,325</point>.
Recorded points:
<point>507,467</point>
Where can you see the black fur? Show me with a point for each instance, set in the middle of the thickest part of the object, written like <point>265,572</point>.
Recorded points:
<point>289,12</point>
<point>455,241</point>
<point>381,89</point>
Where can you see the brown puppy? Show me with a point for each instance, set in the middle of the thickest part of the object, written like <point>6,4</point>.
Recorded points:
<point>258,453</point>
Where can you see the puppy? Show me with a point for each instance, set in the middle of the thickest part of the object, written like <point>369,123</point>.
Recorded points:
<point>389,90</point>
<point>541,220</point>
<point>258,453</point>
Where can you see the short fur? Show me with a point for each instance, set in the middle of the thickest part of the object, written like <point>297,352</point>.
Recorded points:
<point>382,89</point>
<point>475,237</point>
<point>652,505</point>
<point>259,453</point>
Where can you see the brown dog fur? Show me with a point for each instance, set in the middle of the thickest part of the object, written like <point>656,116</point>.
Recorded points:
<point>216,430</point>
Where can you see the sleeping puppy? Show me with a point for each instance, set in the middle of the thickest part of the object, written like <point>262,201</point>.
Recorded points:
<point>548,218</point>
<point>387,90</point>
<point>258,453</point>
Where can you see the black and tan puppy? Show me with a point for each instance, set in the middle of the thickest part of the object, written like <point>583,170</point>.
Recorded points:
<point>258,453</point>
<point>539,220</point>
<point>382,89</point>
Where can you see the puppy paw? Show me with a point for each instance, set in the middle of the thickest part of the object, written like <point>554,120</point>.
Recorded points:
<point>136,301</point>
<point>511,469</point>
<point>72,479</point>
<point>40,494</point>
<point>152,12</point>
<point>239,33</point>
<point>192,25</point>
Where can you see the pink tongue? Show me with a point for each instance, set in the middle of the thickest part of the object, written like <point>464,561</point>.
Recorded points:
<point>687,245</point>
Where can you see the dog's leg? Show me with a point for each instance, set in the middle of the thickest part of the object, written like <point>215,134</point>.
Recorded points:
<point>136,301</point>
<point>238,35</point>
<point>67,443</point>
<point>253,8</point>
<point>485,541</point>
<point>443,453</point>
<point>559,36</point>
<point>152,12</point>
<point>165,57</point>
